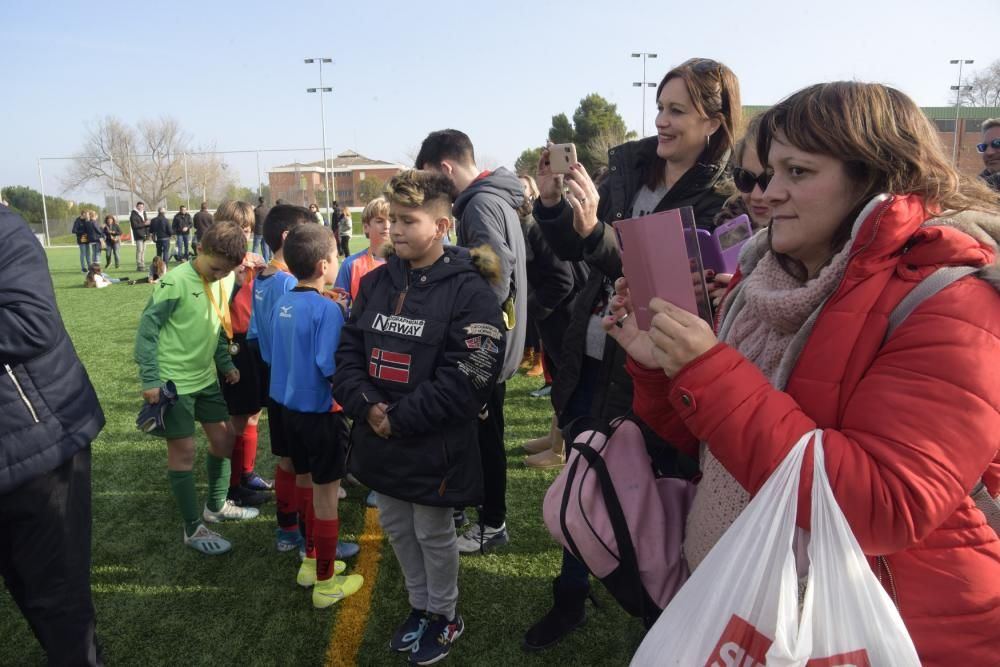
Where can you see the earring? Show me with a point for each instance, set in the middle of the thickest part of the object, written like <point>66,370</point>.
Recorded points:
<point>708,139</point>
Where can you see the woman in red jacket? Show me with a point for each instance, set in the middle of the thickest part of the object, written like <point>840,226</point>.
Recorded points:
<point>865,205</point>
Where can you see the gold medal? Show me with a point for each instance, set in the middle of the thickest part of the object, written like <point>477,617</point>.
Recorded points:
<point>234,348</point>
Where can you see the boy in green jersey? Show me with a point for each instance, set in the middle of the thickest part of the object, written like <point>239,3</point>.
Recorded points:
<point>179,339</point>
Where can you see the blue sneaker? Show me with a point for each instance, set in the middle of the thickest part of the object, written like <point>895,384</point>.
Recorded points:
<point>288,540</point>
<point>347,550</point>
<point>437,639</point>
<point>409,633</point>
<point>254,482</point>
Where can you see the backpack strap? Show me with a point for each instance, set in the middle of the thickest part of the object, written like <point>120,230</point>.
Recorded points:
<point>924,290</point>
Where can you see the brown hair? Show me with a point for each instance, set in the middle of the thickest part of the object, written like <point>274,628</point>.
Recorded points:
<point>225,239</point>
<point>749,140</point>
<point>306,245</point>
<point>239,212</point>
<point>715,93</point>
<point>159,267</point>
<point>885,141</point>
<point>415,188</point>
<point>524,210</point>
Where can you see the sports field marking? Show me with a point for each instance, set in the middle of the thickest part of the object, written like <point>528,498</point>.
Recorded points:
<point>352,614</point>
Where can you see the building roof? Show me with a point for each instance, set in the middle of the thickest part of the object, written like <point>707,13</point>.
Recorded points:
<point>345,160</point>
<point>933,113</point>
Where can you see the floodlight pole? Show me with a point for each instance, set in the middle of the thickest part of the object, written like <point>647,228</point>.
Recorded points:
<point>45,209</point>
<point>958,103</point>
<point>643,84</point>
<point>322,113</point>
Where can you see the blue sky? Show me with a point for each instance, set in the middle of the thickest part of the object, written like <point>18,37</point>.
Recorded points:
<point>232,72</point>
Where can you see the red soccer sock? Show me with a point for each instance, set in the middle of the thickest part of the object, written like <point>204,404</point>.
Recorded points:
<point>325,533</point>
<point>284,498</point>
<point>249,450</point>
<point>304,495</point>
<point>237,457</point>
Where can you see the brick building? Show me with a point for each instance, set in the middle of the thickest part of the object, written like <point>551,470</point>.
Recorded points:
<point>303,183</point>
<point>970,121</point>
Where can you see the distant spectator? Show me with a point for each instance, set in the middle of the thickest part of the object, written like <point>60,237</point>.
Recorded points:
<point>202,221</point>
<point>137,219</point>
<point>161,232</point>
<point>260,215</point>
<point>112,235</point>
<point>182,230</point>
<point>345,225</point>
<point>82,240</point>
<point>990,149</point>
<point>314,209</point>
<point>95,236</point>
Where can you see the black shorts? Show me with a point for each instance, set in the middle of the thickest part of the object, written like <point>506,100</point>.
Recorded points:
<point>246,396</point>
<point>318,442</point>
<point>276,427</point>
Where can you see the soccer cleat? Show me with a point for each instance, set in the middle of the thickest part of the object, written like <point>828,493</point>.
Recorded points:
<point>347,549</point>
<point>254,482</point>
<point>306,576</point>
<point>476,540</point>
<point>229,512</point>
<point>541,392</point>
<point>408,634</point>
<point>288,540</point>
<point>437,639</point>
<point>331,591</point>
<point>205,541</point>
<point>244,497</point>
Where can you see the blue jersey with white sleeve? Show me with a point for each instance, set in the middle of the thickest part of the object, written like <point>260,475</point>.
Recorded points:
<point>266,292</point>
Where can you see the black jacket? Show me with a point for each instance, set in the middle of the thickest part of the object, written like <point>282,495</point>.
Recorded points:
<point>259,216</point>
<point>704,187</point>
<point>112,233</point>
<point>430,344</point>
<point>80,230</point>
<point>139,225</point>
<point>159,228</point>
<point>182,224</point>
<point>202,221</point>
<point>48,408</point>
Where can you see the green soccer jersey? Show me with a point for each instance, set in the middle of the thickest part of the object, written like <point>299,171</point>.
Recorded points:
<point>178,337</point>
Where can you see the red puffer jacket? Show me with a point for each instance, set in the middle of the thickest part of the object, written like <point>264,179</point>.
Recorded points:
<point>910,426</point>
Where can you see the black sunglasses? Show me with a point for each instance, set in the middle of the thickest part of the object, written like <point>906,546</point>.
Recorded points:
<point>745,181</point>
<point>983,146</point>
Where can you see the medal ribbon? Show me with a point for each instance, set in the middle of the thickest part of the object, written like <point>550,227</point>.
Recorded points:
<point>223,313</point>
<point>278,264</point>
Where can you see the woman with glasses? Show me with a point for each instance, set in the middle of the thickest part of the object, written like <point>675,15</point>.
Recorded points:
<point>698,113</point>
<point>865,206</point>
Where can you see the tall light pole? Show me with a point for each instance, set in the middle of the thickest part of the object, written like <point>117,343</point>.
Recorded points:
<point>322,113</point>
<point>958,103</point>
<point>643,84</point>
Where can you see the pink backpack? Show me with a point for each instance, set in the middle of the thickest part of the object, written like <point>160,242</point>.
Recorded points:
<point>619,506</point>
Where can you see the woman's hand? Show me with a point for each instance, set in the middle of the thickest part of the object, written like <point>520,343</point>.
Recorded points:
<point>550,186</point>
<point>583,197</point>
<point>717,286</point>
<point>620,324</point>
<point>678,336</point>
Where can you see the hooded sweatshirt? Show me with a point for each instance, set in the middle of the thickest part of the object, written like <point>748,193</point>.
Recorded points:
<point>487,215</point>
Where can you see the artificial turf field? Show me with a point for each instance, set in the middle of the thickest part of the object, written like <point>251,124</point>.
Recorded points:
<point>159,603</point>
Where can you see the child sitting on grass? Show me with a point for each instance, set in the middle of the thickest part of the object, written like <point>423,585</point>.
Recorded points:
<point>179,339</point>
<point>416,362</point>
<point>96,278</point>
<point>304,336</point>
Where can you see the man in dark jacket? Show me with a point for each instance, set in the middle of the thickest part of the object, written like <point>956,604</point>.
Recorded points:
<point>50,417</point>
<point>259,216</point>
<point>202,221</point>
<point>159,228</point>
<point>182,230</point>
<point>140,228</point>
<point>486,209</point>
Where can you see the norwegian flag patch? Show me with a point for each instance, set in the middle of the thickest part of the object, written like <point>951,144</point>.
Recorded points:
<point>389,366</point>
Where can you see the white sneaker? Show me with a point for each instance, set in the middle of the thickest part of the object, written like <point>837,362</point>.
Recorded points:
<point>229,512</point>
<point>476,541</point>
<point>207,542</point>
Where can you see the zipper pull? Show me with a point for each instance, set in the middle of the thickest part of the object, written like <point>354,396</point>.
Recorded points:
<point>399,301</point>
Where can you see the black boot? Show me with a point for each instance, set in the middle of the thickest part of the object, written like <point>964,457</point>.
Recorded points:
<point>566,615</point>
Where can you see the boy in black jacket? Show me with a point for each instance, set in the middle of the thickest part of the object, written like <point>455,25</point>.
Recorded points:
<point>417,361</point>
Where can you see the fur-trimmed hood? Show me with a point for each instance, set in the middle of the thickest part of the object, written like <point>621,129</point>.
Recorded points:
<point>482,260</point>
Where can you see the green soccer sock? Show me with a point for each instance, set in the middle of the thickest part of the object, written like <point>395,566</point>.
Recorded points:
<point>218,481</point>
<point>182,486</point>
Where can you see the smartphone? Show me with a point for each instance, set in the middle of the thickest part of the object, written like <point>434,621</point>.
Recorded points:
<point>661,258</point>
<point>561,156</point>
<point>720,249</point>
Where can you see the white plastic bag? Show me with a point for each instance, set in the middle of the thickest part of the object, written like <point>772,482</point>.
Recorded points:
<point>740,608</point>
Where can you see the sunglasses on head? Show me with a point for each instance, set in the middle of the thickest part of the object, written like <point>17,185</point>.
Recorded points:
<point>745,181</point>
<point>983,146</point>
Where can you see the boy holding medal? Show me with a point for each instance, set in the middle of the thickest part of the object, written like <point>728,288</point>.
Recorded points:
<point>179,339</point>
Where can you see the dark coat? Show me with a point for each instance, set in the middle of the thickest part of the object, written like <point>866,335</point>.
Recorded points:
<point>48,408</point>
<point>181,224</point>
<point>139,225</point>
<point>430,344</point>
<point>202,221</point>
<point>159,228</point>
<point>704,187</point>
<point>112,233</point>
<point>80,231</point>
<point>259,216</point>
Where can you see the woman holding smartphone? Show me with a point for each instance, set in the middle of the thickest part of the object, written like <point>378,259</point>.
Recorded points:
<point>698,105</point>
<point>865,206</point>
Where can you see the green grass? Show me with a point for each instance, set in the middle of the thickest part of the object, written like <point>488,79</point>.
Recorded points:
<point>159,603</point>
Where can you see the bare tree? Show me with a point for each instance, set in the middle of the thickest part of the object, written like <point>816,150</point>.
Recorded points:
<point>606,139</point>
<point>147,160</point>
<point>985,91</point>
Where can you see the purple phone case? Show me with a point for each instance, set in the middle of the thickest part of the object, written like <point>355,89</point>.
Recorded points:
<point>713,255</point>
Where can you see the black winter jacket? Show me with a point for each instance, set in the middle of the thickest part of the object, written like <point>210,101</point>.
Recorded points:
<point>704,187</point>
<point>159,228</point>
<point>139,225</point>
<point>181,224</point>
<point>430,344</point>
<point>80,230</point>
<point>48,408</point>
